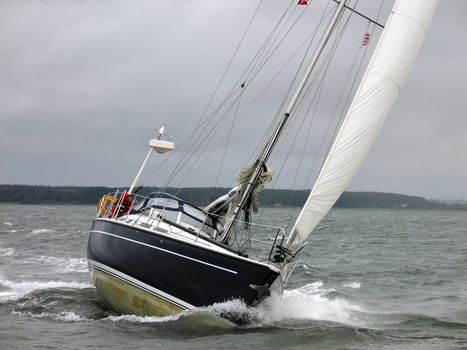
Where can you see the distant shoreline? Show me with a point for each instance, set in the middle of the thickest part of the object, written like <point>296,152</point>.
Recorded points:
<point>201,196</point>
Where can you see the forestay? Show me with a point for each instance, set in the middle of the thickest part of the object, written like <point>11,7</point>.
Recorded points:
<point>380,86</point>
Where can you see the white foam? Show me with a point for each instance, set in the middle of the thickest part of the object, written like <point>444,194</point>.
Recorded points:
<point>73,265</point>
<point>355,285</point>
<point>142,319</point>
<point>65,316</point>
<point>308,303</point>
<point>17,290</point>
<point>235,307</point>
<point>68,317</point>
<point>42,230</point>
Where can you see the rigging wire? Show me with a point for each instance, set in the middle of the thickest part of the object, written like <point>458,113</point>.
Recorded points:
<point>278,114</point>
<point>260,53</point>
<point>280,31</point>
<point>206,143</point>
<point>171,112</point>
<point>257,57</point>
<point>342,113</point>
<point>200,123</point>
<point>266,54</point>
<point>322,70</point>
<point>178,168</point>
<point>320,89</point>
<point>199,153</point>
<point>223,76</point>
<point>182,162</point>
<point>318,96</point>
<point>228,141</point>
<point>271,53</point>
<point>323,66</point>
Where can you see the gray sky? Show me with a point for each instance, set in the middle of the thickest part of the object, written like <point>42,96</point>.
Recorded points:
<point>84,84</point>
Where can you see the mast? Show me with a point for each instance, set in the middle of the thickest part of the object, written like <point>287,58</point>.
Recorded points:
<point>266,152</point>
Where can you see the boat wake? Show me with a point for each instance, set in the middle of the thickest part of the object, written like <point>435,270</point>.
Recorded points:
<point>296,307</point>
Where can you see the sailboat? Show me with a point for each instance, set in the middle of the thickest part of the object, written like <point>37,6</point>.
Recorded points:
<point>160,255</point>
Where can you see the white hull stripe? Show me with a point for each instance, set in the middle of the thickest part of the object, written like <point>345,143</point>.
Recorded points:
<point>167,251</point>
<point>141,285</point>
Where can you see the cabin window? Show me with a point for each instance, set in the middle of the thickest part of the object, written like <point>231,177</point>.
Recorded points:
<point>193,212</point>
<point>167,203</point>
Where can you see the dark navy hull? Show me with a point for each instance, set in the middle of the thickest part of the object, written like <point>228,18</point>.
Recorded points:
<point>182,274</point>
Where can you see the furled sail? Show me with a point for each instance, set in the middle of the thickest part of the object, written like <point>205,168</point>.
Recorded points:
<point>380,86</point>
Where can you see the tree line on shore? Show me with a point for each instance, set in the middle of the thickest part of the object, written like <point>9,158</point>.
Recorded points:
<point>201,196</point>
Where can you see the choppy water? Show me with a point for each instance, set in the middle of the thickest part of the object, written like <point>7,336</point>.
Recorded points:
<point>369,279</point>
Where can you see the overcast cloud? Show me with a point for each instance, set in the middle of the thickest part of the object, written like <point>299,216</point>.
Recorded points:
<point>84,84</point>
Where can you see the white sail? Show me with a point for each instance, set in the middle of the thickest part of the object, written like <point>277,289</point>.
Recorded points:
<point>386,73</point>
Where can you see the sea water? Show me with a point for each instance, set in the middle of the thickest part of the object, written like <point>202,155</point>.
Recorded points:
<point>368,279</point>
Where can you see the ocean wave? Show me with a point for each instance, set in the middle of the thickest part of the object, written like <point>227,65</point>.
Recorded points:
<point>409,320</point>
<point>17,290</point>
